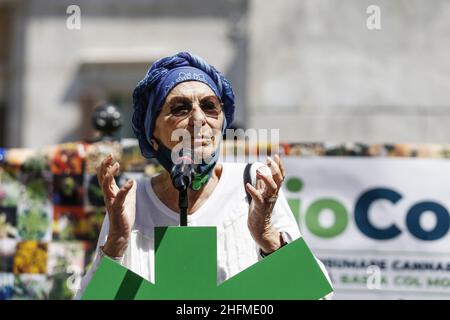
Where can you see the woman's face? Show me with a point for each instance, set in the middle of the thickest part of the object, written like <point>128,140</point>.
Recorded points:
<point>193,108</point>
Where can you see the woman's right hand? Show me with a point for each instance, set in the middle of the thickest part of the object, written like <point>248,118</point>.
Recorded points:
<point>121,207</point>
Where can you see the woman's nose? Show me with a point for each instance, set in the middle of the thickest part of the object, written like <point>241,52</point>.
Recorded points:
<point>198,114</point>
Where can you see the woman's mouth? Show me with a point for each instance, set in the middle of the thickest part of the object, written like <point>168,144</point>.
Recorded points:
<point>201,141</point>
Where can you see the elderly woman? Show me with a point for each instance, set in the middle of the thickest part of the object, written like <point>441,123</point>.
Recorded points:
<point>186,93</point>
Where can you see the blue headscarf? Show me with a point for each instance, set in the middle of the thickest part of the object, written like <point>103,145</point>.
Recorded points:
<point>163,76</point>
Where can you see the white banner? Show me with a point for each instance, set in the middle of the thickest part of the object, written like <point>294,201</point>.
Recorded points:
<point>380,225</point>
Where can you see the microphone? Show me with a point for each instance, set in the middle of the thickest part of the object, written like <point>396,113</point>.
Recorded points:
<point>184,170</point>
<point>182,174</point>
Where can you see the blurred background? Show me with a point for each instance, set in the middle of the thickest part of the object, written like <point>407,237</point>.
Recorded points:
<point>311,68</point>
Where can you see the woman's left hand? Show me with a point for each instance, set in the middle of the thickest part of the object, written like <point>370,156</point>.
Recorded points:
<point>264,197</point>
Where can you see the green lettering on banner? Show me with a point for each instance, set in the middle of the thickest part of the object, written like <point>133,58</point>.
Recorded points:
<point>186,268</point>
<point>294,184</point>
<point>438,282</point>
<point>294,204</point>
<point>314,211</point>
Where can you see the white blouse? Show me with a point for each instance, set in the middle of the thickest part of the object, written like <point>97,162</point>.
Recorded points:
<point>226,209</point>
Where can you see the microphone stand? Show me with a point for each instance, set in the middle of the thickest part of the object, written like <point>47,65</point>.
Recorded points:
<point>183,204</point>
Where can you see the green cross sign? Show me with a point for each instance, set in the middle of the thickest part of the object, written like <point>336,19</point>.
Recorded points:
<point>186,269</point>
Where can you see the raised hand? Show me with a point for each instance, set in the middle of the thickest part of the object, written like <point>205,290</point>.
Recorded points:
<point>121,207</point>
<point>264,197</point>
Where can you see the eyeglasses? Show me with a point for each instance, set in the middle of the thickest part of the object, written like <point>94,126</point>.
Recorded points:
<point>182,107</point>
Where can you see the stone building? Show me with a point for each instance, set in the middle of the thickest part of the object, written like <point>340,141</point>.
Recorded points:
<point>311,68</point>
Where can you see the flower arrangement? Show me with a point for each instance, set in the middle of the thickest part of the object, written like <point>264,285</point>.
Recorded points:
<point>31,257</point>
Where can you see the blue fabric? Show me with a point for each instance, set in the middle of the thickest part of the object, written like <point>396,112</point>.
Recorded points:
<point>2,155</point>
<point>164,74</point>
